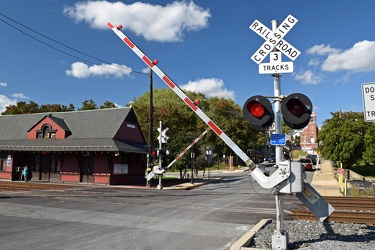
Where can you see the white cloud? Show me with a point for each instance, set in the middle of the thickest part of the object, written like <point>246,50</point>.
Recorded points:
<point>154,22</point>
<point>146,70</point>
<point>81,70</point>
<point>314,62</point>
<point>359,58</point>
<point>5,101</point>
<point>308,77</point>
<point>322,50</point>
<point>210,87</point>
<point>20,96</point>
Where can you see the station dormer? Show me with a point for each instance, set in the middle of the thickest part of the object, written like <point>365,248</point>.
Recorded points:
<point>49,127</point>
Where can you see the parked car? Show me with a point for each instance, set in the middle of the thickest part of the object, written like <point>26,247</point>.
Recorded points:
<point>313,158</point>
<point>307,163</point>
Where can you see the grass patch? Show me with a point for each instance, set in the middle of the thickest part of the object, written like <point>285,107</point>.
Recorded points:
<point>356,191</point>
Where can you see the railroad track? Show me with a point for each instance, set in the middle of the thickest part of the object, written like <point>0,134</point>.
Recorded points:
<point>347,210</point>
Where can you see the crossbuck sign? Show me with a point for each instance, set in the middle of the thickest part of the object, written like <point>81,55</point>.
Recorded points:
<point>275,40</point>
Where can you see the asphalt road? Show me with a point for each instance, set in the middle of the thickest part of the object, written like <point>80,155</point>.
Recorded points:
<point>213,216</point>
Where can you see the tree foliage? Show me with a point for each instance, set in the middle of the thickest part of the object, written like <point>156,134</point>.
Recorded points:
<point>347,138</point>
<point>33,107</point>
<point>88,105</point>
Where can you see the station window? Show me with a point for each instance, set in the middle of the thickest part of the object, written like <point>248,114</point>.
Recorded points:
<point>46,132</point>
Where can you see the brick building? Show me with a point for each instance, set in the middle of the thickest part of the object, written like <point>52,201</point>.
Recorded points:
<point>309,135</point>
<point>103,146</point>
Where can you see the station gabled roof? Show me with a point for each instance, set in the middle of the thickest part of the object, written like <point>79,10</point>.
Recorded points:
<point>90,130</point>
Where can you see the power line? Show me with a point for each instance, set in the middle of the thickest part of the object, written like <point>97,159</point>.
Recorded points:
<point>57,49</point>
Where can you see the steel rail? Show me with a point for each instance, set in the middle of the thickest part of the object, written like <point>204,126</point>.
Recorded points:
<point>338,216</point>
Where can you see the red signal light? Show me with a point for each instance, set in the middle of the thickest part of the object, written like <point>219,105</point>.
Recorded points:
<point>295,106</point>
<point>296,109</point>
<point>154,153</point>
<point>256,109</point>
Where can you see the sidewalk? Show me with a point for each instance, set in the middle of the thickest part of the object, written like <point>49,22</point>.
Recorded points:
<point>324,181</point>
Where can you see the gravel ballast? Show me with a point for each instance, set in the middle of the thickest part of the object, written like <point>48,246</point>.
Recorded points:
<point>316,235</point>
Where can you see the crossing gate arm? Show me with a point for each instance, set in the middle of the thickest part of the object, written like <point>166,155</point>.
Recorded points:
<point>260,178</point>
<point>186,149</point>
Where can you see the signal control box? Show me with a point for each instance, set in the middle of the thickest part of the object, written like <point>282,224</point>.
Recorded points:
<point>295,182</point>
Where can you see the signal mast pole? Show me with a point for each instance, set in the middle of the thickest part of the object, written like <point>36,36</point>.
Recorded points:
<point>277,93</point>
<point>280,238</point>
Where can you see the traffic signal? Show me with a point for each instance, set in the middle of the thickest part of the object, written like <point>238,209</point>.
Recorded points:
<point>296,109</point>
<point>257,110</point>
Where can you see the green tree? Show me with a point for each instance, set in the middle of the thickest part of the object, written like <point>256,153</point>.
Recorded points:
<point>56,108</point>
<point>21,108</point>
<point>107,105</point>
<point>347,138</point>
<point>32,107</point>
<point>88,105</point>
<point>369,141</point>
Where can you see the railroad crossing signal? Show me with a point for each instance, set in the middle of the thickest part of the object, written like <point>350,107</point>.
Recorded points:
<point>257,110</point>
<point>163,138</point>
<point>296,109</point>
<point>162,152</point>
<point>274,40</point>
<point>154,153</point>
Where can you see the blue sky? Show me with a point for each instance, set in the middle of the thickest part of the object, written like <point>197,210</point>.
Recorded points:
<point>63,52</point>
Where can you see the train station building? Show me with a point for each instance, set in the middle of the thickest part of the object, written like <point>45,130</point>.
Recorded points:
<point>102,146</point>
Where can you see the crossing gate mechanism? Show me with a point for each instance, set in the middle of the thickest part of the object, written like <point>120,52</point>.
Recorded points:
<point>278,176</point>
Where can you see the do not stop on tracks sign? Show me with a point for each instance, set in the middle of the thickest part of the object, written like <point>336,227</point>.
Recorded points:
<point>368,95</point>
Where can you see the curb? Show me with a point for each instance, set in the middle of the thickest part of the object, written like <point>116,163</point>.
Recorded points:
<point>245,241</point>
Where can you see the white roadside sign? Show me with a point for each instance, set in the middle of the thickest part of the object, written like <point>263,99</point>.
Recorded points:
<point>368,95</point>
